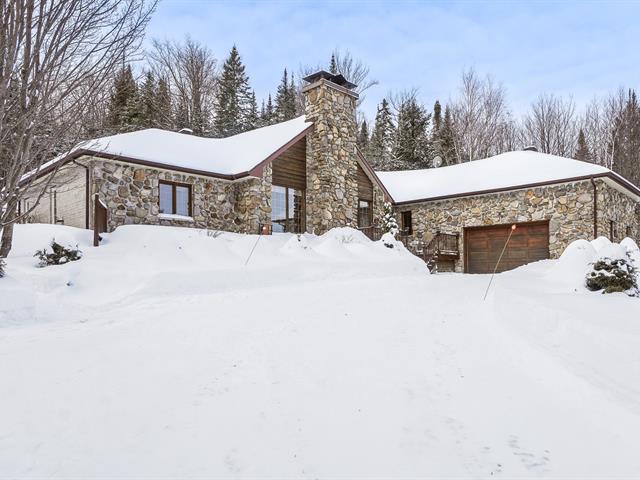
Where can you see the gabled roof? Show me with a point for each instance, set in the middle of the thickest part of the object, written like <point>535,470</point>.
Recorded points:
<point>231,157</point>
<point>507,171</point>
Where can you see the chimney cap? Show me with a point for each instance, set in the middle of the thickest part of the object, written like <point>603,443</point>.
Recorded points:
<point>338,79</point>
<point>530,148</point>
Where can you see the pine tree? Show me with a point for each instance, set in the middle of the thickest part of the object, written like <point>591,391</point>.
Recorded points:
<point>124,105</point>
<point>582,152</point>
<point>285,99</point>
<point>389,222</point>
<point>333,66</point>
<point>148,105</point>
<point>444,145</point>
<point>412,146</point>
<point>163,106</point>
<point>253,119</point>
<point>381,143</point>
<point>269,113</point>
<point>437,117</point>
<point>363,137</point>
<point>233,98</point>
<point>626,144</point>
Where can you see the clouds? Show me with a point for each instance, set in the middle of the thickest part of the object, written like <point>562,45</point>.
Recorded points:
<point>570,48</point>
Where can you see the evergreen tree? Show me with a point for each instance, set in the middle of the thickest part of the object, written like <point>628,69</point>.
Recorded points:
<point>582,151</point>
<point>381,143</point>
<point>363,137</point>
<point>253,119</point>
<point>148,105</point>
<point>437,118</point>
<point>626,144</point>
<point>163,105</point>
<point>444,145</point>
<point>285,99</point>
<point>269,113</point>
<point>412,146</point>
<point>389,222</point>
<point>124,105</point>
<point>233,100</point>
<point>333,66</point>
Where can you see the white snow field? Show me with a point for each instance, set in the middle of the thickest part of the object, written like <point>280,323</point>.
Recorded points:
<point>161,355</point>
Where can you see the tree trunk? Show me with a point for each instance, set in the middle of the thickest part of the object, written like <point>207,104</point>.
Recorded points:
<point>7,240</point>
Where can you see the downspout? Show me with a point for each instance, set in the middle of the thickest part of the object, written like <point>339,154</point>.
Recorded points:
<point>595,208</point>
<point>86,193</point>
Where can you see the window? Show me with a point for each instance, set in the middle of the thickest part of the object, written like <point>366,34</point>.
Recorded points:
<point>287,209</point>
<point>407,226</point>
<point>175,198</point>
<point>628,232</point>
<point>612,231</point>
<point>365,213</point>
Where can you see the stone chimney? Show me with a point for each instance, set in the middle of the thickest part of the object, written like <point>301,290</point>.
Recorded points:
<point>332,185</point>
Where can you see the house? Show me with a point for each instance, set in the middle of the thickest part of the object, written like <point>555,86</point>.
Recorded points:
<point>466,211</point>
<point>307,175</point>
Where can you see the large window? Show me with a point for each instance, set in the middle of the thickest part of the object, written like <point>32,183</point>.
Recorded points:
<point>365,213</point>
<point>287,209</point>
<point>175,198</point>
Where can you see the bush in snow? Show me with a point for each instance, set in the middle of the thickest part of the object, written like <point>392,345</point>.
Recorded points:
<point>389,222</point>
<point>59,255</point>
<point>612,275</point>
<point>2,265</point>
<point>388,240</point>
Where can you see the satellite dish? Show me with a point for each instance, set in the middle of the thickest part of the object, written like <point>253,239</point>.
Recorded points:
<point>437,161</point>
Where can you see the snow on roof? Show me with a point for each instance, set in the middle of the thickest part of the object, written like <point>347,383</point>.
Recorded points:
<point>226,156</point>
<point>511,169</point>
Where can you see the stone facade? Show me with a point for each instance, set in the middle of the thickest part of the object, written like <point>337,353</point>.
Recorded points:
<point>618,214</point>
<point>332,188</point>
<point>131,194</point>
<point>567,207</point>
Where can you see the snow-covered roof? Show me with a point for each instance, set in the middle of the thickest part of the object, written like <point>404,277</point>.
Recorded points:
<point>226,156</point>
<point>504,171</point>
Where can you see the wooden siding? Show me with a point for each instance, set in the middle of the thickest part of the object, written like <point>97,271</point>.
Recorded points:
<point>483,245</point>
<point>290,168</point>
<point>365,187</point>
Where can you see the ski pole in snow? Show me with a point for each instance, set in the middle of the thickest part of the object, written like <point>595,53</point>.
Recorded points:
<point>513,229</point>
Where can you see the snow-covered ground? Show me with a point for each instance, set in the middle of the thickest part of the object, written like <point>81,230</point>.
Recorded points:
<point>161,355</point>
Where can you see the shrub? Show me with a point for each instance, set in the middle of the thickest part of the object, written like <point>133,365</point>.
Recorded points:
<point>612,275</point>
<point>59,255</point>
<point>2,267</point>
<point>389,222</point>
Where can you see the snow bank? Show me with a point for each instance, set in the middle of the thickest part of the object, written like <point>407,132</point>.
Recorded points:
<point>574,263</point>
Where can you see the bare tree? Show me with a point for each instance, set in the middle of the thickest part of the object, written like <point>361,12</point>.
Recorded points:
<point>478,112</point>
<point>551,125</point>
<point>353,69</point>
<point>50,51</point>
<point>190,70</point>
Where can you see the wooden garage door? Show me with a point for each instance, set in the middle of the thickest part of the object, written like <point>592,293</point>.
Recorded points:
<point>529,243</point>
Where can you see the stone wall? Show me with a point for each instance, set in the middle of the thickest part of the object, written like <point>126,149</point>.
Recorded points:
<point>131,193</point>
<point>619,208</point>
<point>332,187</point>
<point>568,207</point>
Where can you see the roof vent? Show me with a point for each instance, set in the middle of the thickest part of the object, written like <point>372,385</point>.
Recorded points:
<point>336,78</point>
<point>186,131</point>
<point>530,148</point>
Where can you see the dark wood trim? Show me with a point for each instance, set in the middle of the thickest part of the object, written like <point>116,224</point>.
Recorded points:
<point>616,178</point>
<point>364,163</point>
<point>258,169</point>
<point>173,193</point>
<point>497,225</point>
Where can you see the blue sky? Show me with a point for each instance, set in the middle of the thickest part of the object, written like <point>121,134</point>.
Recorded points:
<point>567,48</point>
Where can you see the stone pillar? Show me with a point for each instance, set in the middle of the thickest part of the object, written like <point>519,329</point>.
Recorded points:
<point>332,188</point>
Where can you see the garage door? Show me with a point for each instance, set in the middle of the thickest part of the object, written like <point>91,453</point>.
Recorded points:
<point>483,245</point>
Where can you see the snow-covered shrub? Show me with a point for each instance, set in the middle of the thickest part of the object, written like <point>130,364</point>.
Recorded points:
<point>388,240</point>
<point>59,255</point>
<point>389,222</point>
<point>2,266</point>
<point>612,275</point>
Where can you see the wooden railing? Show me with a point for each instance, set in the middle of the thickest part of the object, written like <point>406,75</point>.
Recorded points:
<point>441,245</point>
<point>100,219</point>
